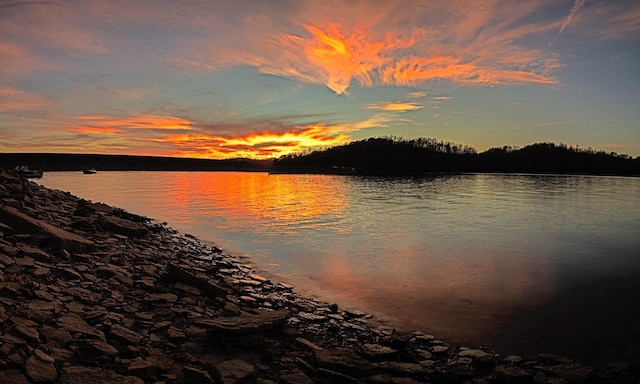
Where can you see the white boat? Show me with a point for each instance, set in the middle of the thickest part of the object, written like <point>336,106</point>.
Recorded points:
<point>89,171</point>
<point>25,171</point>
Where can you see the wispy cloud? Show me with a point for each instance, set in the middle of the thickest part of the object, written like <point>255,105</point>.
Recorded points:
<point>620,145</point>
<point>15,100</point>
<point>576,6</point>
<point>416,95</point>
<point>118,124</point>
<point>392,43</point>
<point>395,106</point>
<point>554,123</point>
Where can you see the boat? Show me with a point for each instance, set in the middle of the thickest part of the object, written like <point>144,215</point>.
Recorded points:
<point>89,171</point>
<point>27,172</point>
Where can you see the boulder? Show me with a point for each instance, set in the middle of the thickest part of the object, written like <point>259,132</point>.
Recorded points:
<point>195,279</point>
<point>262,320</point>
<point>58,238</point>
<point>122,226</point>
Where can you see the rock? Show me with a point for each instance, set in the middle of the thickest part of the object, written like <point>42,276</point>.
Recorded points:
<point>12,376</point>
<point>513,375</point>
<point>403,369</point>
<point>262,320</point>
<point>194,375</point>
<point>197,280</point>
<point>297,377</point>
<point>439,349</point>
<point>41,305</point>
<point>58,238</point>
<point>124,334</point>
<point>377,352</point>
<point>573,372</point>
<point>41,368</point>
<point>474,353</point>
<point>308,344</point>
<point>95,375</point>
<point>343,361</point>
<point>74,324</point>
<point>99,347</point>
<point>28,333</point>
<point>233,371</point>
<point>122,226</point>
<point>6,260</point>
<point>162,297</point>
<point>68,273</point>
<point>175,334</point>
<point>311,317</point>
<point>142,368</point>
<point>84,295</point>
<point>33,252</point>
<point>513,359</point>
<point>549,358</point>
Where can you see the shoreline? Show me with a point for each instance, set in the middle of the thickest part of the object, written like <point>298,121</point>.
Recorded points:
<point>92,292</point>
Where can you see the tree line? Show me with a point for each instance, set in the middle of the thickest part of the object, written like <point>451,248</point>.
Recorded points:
<point>428,155</point>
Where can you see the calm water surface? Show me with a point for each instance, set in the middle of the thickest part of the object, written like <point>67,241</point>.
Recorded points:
<point>520,263</point>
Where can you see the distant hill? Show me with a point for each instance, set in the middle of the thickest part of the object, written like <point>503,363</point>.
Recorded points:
<point>385,155</point>
<point>76,162</point>
<point>389,155</point>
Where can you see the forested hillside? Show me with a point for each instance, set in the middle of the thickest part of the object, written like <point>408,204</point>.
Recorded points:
<point>394,155</point>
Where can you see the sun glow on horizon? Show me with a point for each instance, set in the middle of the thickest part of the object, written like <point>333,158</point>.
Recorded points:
<point>259,146</point>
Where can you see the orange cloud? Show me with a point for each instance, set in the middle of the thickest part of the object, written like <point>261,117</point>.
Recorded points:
<point>12,99</point>
<point>417,95</point>
<point>16,60</point>
<point>117,124</point>
<point>395,107</point>
<point>255,145</point>
<point>395,44</point>
<point>413,71</point>
<point>95,130</point>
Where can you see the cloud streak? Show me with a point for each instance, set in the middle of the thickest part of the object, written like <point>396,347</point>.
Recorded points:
<point>576,6</point>
<point>260,145</point>
<point>473,46</point>
<point>395,106</point>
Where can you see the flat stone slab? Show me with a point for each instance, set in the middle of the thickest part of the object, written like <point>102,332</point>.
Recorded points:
<point>59,238</point>
<point>125,334</point>
<point>94,375</point>
<point>195,279</point>
<point>74,324</point>
<point>246,322</point>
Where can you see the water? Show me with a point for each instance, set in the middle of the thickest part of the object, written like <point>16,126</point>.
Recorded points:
<point>520,263</point>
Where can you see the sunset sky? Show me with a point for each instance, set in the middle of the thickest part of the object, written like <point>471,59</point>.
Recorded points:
<point>258,79</point>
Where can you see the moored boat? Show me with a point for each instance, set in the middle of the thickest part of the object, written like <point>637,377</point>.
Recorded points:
<point>25,171</point>
<point>89,171</point>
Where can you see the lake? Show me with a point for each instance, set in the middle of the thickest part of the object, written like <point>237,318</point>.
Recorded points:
<point>522,264</point>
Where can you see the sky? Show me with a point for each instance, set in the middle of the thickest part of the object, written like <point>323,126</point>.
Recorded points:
<point>260,79</point>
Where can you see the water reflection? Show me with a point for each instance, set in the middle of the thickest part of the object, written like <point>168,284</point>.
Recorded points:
<point>472,258</point>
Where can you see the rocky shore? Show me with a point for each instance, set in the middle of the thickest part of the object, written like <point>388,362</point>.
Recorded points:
<point>92,294</point>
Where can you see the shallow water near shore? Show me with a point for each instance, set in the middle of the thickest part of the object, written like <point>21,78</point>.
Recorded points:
<point>519,263</point>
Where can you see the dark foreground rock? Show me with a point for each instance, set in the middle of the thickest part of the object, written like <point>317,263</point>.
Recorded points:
<point>92,294</point>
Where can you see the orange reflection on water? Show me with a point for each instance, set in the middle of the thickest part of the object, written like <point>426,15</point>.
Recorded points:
<point>282,200</point>
<point>467,295</point>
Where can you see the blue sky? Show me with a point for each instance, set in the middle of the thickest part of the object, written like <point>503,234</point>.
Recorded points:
<point>259,79</point>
